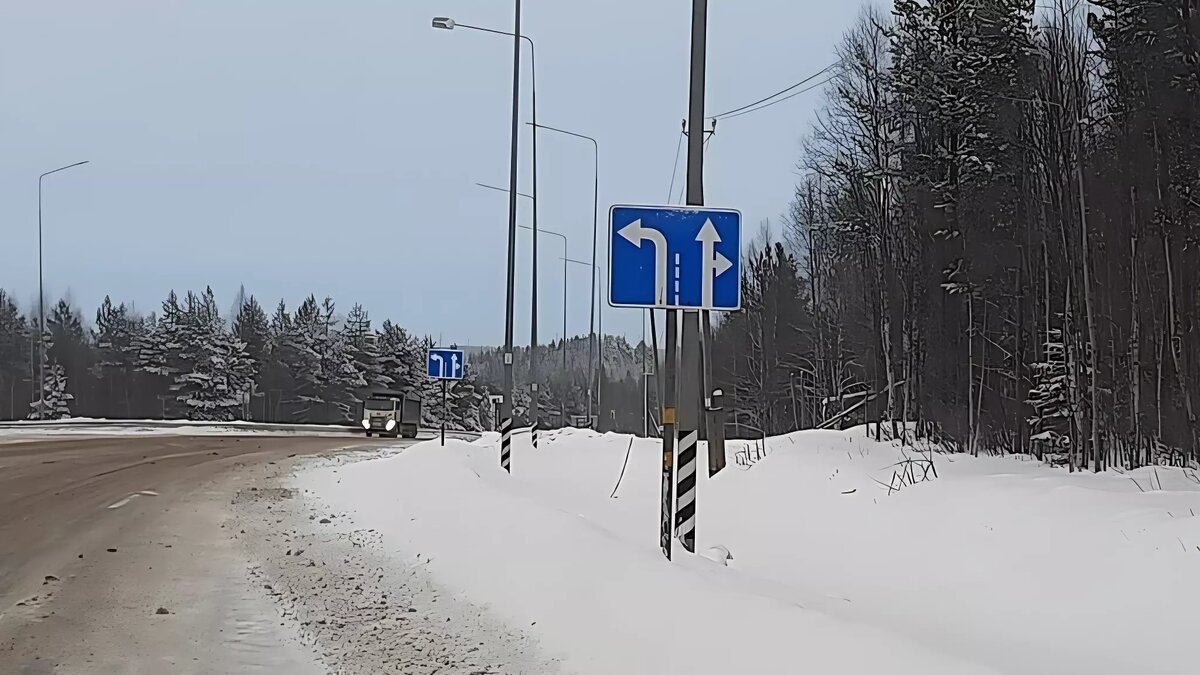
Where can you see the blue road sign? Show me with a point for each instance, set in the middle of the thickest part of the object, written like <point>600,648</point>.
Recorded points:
<point>674,257</point>
<point>446,364</point>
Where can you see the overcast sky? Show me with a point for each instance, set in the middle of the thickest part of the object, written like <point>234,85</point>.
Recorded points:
<point>331,147</point>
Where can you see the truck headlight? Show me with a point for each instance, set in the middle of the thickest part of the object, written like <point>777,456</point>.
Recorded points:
<point>391,424</point>
<point>366,424</point>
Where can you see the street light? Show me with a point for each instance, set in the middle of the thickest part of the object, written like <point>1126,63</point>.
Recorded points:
<point>594,375</point>
<point>563,402</point>
<point>597,270</point>
<point>42,297</point>
<point>447,23</point>
<point>565,247</point>
<point>506,405</point>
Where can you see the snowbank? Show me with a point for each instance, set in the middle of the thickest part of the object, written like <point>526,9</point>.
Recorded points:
<point>996,566</point>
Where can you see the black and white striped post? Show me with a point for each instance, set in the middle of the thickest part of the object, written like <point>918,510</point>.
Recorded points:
<point>506,444</point>
<point>685,492</point>
<point>533,427</point>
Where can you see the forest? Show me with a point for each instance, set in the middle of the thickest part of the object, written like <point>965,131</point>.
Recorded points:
<point>187,362</point>
<point>993,237</point>
<point>307,365</point>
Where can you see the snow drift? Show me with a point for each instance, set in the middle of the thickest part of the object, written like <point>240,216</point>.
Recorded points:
<point>809,562</point>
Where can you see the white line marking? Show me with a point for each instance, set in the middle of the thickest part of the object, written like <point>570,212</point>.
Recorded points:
<point>123,502</point>
<point>141,493</point>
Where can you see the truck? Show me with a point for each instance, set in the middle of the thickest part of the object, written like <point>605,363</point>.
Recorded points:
<point>392,414</point>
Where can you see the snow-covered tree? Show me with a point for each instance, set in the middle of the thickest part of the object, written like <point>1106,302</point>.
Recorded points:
<point>251,327</point>
<point>55,403</point>
<point>323,378</point>
<point>116,354</point>
<point>363,346</point>
<point>218,372</point>
<point>1050,425</point>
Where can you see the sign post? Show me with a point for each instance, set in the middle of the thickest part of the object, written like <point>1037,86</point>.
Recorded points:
<point>446,365</point>
<point>684,259</point>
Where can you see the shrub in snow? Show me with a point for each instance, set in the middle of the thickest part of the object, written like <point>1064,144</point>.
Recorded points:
<point>718,554</point>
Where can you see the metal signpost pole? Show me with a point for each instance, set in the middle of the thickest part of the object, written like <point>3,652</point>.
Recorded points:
<point>668,433</point>
<point>714,415</point>
<point>445,413</point>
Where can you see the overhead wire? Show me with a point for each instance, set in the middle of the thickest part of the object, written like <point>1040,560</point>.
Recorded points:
<point>675,167</point>
<point>781,92</point>
<point>778,100</point>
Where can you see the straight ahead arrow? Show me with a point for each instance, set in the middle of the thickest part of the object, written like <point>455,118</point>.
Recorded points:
<point>713,264</point>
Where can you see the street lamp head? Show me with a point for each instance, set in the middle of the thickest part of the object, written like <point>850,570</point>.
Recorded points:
<point>443,22</point>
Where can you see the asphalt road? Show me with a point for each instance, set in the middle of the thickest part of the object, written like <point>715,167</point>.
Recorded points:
<point>78,514</point>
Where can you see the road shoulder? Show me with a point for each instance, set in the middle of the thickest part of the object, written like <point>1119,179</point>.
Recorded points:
<point>361,603</point>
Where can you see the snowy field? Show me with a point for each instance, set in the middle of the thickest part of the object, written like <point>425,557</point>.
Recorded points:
<point>997,566</point>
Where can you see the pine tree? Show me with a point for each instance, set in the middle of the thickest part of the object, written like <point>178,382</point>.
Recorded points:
<point>363,346</point>
<point>216,377</point>
<point>161,351</point>
<point>116,355</point>
<point>1051,422</point>
<point>55,403</point>
<point>251,327</point>
<point>16,358</point>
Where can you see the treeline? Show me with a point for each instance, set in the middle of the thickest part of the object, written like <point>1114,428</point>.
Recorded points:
<point>618,388</point>
<point>187,362</point>
<point>995,237</point>
<point>310,364</point>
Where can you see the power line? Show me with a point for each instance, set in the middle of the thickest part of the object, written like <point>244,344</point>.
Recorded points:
<point>779,100</point>
<point>675,167</point>
<point>806,80</point>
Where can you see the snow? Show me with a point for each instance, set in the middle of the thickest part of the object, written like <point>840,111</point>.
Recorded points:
<point>807,564</point>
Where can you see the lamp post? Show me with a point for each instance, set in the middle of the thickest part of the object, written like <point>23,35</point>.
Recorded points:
<point>42,297</point>
<point>552,233</point>
<point>593,374</point>
<point>563,401</point>
<point>450,24</point>
<point>597,270</point>
<point>506,405</point>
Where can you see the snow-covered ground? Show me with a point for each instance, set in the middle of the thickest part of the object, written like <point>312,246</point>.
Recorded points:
<point>997,566</point>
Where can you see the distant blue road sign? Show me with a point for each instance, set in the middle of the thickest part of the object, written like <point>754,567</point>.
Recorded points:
<point>675,257</point>
<point>446,364</point>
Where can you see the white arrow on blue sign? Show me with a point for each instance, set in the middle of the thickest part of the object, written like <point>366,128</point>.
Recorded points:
<point>446,364</point>
<point>674,257</point>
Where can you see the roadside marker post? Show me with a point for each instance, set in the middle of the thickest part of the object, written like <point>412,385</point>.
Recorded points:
<point>533,431</point>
